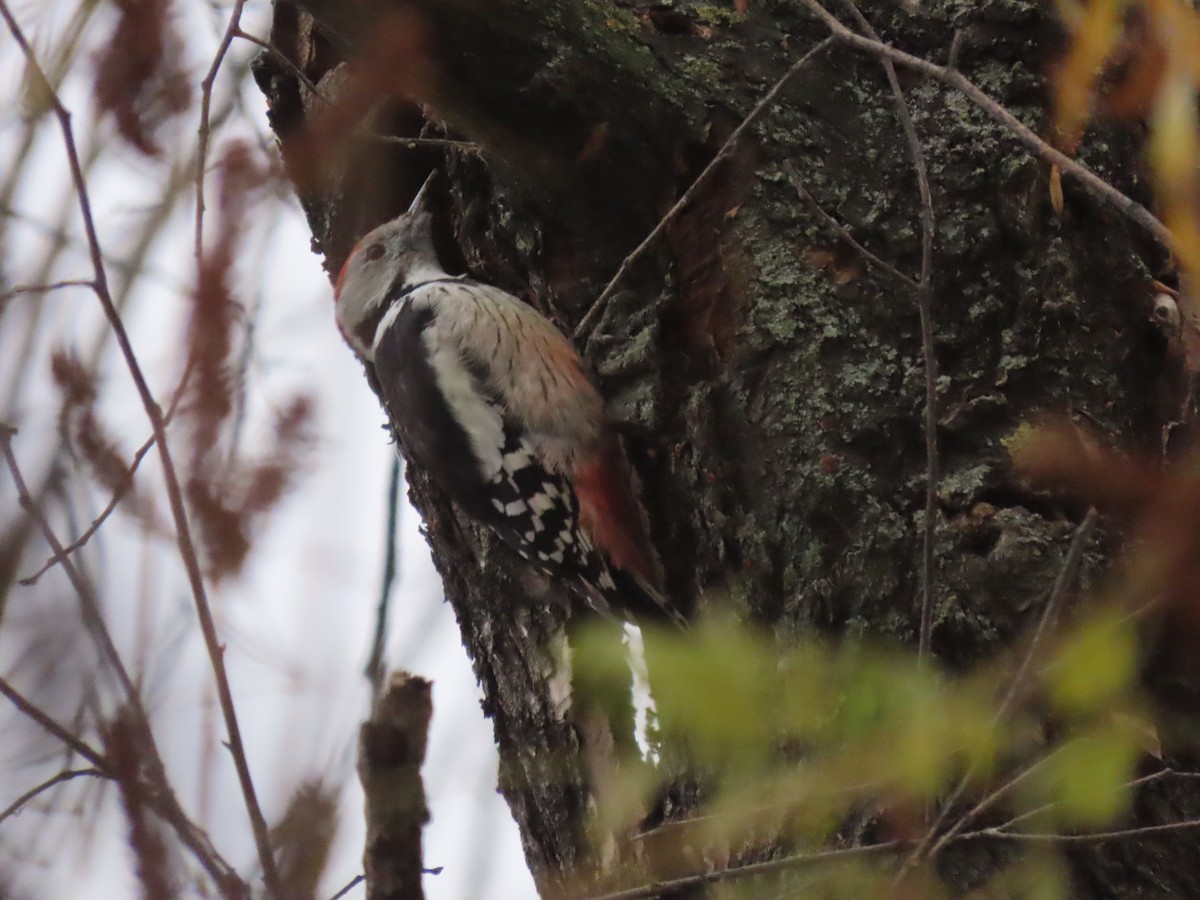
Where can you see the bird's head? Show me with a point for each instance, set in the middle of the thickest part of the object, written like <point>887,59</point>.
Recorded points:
<point>396,255</point>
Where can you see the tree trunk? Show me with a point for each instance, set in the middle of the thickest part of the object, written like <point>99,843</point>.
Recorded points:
<point>768,381</point>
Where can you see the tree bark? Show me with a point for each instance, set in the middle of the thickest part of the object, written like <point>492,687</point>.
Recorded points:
<point>768,382</point>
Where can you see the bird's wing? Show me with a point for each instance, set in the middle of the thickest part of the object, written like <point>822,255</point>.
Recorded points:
<point>507,377</point>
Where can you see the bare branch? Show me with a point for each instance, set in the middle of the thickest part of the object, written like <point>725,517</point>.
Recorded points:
<point>205,132</point>
<point>375,668</point>
<point>840,229</point>
<point>30,710</point>
<point>117,496</point>
<point>92,618</point>
<point>62,777</point>
<point>974,812</point>
<point>593,314</point>
<point>160,799</point>
<point>126,485</point>
<point>350,885</point>
<point>415,142</point>
<point>1058,594</point>
<point>1095,837</point>
<point>279,55</point>
<point>43,288</point>
<point>758,868</point>
<point>1062,584</point>
<point>391,749</point>
<point>924,301</point>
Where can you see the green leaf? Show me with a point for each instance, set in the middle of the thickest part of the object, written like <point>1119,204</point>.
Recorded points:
<point>1087,777</point>
<point>1096,663</point>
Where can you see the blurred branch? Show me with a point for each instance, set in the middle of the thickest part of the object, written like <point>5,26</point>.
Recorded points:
<point>155,866</point>
<point>350,885</point>
<point>1067,574</point>
<point>117,496</point>
<point>187,548</point>
<point>65,47</point>
<point>375,668</point>
<point>48,724</point>
<point>1094,837</point>
<point>391,749</point>
<point>93,619</point>
<point>597,308</point>
<point>417,142</point>
<point>162,801</point>
<point>43,288</point>
<point>60,239</point>
<point>61,778</point>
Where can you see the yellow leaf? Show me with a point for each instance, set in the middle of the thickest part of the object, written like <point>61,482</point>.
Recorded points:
<point>1094,34</point>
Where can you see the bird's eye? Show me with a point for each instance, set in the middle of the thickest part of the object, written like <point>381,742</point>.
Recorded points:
<point>373,252</point>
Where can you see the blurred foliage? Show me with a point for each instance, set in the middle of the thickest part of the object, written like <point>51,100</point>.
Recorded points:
<point>1138,61</point>
<point>825,744</point>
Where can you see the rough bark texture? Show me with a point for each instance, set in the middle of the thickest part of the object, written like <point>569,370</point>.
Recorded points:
<point>769,385</point>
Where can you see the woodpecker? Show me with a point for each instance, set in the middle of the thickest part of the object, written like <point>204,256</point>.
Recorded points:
<point>485,394</point>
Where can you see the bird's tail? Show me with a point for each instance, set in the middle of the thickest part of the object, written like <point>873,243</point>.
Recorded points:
<point>630,597</point>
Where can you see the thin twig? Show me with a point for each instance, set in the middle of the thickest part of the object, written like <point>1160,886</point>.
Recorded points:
<point>375,667</point>
<point>1067,573</point>
<point>693,821</point>
<point>983,805</point>
<point>279,55</point>
<point>154,413</point>
<point>93,619</point>
<point>165,803</point>
<point>30,710</point>
<point>924,304</point>
<point>162,800</point>
<point>597,307</point>
<point>44,288</point>
<point>60,778</point>
<point>353,883</point>
<point>1089,180</point>
<point>1092,838</point>
<point>205,131</point>
<point>1046,807</point>
<point>120,493</point>
<point>840,229</point>
<point>1062,584</point>
<point>415,142</point>
<point>758,868</point>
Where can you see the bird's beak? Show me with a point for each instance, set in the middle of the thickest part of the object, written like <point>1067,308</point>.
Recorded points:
<point>420,202</point>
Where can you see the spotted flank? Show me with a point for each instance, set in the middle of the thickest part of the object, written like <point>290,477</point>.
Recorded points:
<point>536,512</point>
